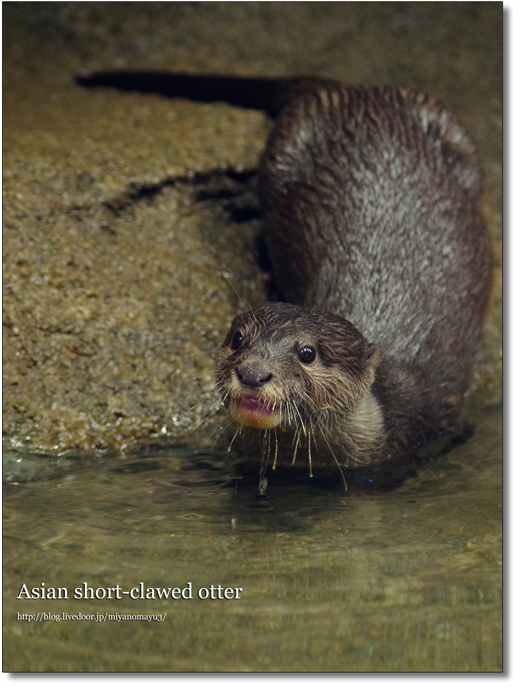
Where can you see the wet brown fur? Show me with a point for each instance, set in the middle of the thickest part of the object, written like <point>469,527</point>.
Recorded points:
<point>372,207</point>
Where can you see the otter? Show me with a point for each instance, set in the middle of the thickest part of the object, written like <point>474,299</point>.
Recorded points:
<point>378,246</point>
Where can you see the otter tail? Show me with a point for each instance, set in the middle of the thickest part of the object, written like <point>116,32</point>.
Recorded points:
<point>268,94</point>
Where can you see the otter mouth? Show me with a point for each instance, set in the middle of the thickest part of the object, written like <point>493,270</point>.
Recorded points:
<point>253,412</point>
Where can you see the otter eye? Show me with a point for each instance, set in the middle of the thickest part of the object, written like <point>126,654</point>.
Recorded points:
<point>307,354</point>
<point>236,341</point>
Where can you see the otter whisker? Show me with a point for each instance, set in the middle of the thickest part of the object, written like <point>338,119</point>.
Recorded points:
<point>206,417</point>
<point>205,398</point>
<point>313,405</point>
<point>310,452</point>
<point>266,451</point>
<point>286,412</point>
<point>202,421</point>
<point>296,444</point>
<point>335,460</point>
<point>239,431</point>
<point>243,304</point>
<point>273,467</point>
<point>223,427</point>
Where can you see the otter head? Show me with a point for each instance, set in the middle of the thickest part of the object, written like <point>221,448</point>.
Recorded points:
<point>281,365</point>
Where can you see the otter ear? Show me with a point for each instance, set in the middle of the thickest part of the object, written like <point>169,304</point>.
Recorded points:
<point>374,355</point>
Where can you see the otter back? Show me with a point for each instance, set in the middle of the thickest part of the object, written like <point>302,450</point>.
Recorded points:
<point>372,203</point>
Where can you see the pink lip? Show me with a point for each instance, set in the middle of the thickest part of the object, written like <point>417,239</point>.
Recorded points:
<point>253,403</point>
<point>253,412</point>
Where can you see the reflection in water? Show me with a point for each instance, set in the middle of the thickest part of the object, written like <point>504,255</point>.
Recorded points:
<point>408,580</point>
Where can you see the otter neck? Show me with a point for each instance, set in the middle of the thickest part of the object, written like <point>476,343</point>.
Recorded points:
<point>355,435</point>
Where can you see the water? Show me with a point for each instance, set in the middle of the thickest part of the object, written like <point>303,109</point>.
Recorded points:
<point>408,580</point>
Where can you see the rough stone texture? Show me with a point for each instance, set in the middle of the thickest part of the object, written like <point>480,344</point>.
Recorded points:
<point>114,297</point>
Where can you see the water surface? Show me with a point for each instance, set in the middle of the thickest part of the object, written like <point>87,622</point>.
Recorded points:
<point>407,580</point>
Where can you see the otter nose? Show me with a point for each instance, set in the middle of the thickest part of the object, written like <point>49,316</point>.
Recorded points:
<point>253,376</point>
